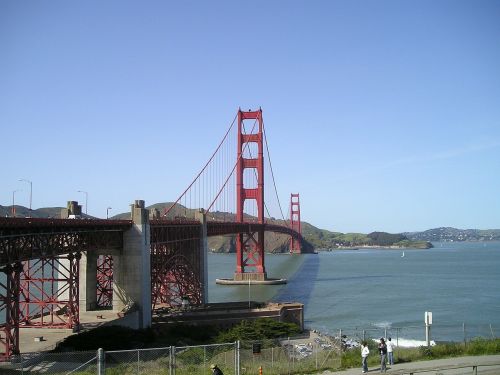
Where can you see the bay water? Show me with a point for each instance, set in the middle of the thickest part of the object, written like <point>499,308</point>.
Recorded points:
<point>380,289</point>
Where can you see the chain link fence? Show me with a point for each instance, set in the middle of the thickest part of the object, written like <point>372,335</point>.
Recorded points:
<point>311,353</point>
<point>172,360</point>
<point>290,356</point>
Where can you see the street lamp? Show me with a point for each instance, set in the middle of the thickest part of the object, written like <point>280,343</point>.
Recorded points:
<point>13,211</point>
<point>107,212</point>
<point>86,200</point>
<point>31,189</point>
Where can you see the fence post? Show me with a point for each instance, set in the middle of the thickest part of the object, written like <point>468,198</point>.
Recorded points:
<point>340,340</point>
<point>238,364</point>
<point>171,370</point>
<point>100,361</point>
<point>465,337</point>
<point>272,357</point>
<point>317,350</point>
<point>364,335</point>
<point>397,341</point>
<point>138,361</point>
<point>293,353</point>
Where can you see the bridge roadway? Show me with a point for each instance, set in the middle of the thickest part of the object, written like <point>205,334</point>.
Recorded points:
<point>23,239</point>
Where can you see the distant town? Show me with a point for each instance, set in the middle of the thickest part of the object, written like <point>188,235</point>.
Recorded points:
<point>454,235</point>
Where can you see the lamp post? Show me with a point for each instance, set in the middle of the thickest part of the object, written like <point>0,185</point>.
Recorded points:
<point>13,211</point>
<point>86,200</point>
<point>31,189</point>
<point>107,212</point>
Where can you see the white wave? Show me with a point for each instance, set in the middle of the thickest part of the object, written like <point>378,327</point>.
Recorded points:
<point>383,324</point>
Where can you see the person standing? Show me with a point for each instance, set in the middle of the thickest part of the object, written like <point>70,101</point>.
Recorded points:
<point>382,349</point>
<point>216,370</point>
<point>364,356</point>
<point>390,351</point>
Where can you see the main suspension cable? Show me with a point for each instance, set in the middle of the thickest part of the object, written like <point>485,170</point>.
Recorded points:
<point>234,167</point>
<point>203,169</point>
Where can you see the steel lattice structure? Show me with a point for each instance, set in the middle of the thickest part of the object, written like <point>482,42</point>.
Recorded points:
<point>9,305</point>
<point>176,269</point>
<point>44,292</point>
<point>105,281</point>
<point>49,292</point>
<point>24,239</point>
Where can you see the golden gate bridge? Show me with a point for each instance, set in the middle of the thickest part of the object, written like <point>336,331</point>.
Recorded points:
<point>56,267</point>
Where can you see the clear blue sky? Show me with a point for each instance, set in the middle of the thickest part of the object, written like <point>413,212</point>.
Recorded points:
<point>384,115</point>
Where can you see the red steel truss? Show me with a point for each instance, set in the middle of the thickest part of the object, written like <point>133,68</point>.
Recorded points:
<point>295,222</point>
<point>176,265</point>
<point>44,292</point>
<point>22,239</point>
<point>105,281</point>
<point>49,293</point>
<point>9,305</point>
<point>250,245</point>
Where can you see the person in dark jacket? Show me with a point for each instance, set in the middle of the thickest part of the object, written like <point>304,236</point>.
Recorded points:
<point>216,370</point>
<point>382,349</point>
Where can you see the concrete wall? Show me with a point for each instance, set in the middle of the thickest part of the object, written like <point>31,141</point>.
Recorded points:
<point>226,315</point>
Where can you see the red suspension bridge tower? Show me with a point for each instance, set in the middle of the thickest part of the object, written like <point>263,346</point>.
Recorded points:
<point>250,246</point>
<point>295,222</point>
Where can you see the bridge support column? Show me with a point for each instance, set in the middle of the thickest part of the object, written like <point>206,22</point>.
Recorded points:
<point>202,217</point>
<point>88,277</point>
<point>9,304</point>
<point>295,224</point>
<point>132,269</point>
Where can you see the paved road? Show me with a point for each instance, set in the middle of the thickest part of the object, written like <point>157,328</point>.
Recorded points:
<point>487,365</point>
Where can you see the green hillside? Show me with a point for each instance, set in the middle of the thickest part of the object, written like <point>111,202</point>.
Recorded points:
<point>324,239</point>
<point>21,211</point>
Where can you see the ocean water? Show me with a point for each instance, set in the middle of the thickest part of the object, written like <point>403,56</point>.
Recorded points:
<point>378,290</point>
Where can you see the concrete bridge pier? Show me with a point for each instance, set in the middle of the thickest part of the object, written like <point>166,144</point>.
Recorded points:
<point>132,271</point>
<point>131,274</point>
<point>88,279</point>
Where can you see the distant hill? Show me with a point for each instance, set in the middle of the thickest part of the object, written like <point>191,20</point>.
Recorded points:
<point>21,211</point>
<point>324,239</point>
<point>453,234</point>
